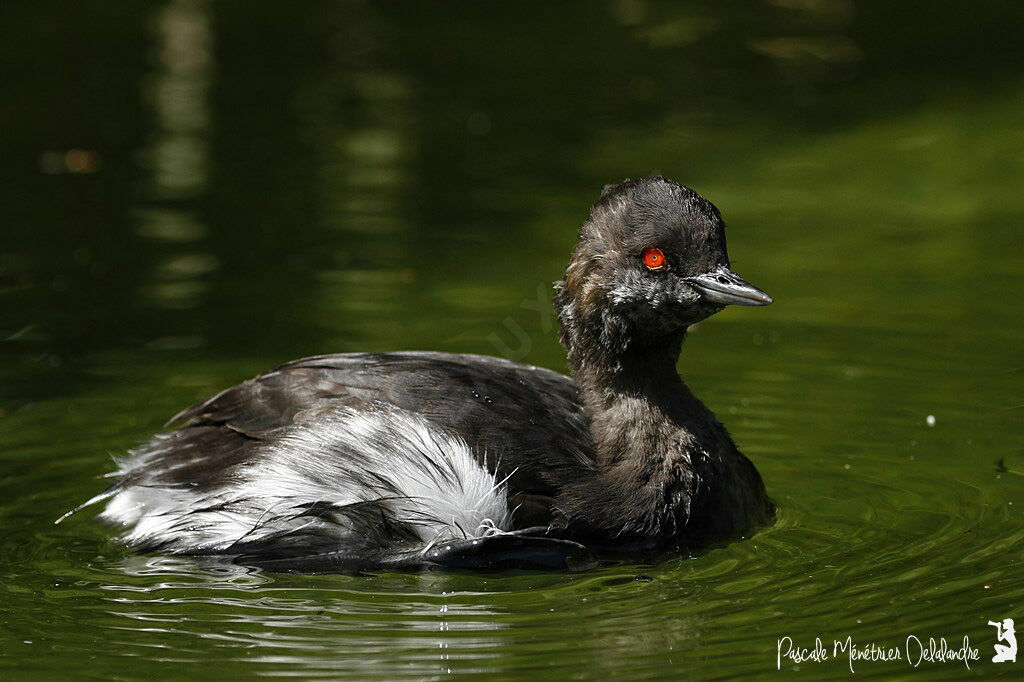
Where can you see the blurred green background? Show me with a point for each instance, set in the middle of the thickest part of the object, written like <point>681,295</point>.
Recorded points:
<point>192,192</point>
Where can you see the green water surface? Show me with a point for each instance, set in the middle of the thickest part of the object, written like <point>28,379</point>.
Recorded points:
<point>192,192</point>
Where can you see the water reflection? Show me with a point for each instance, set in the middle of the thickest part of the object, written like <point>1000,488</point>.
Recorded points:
<point>179,95</point>
<point>417,624</point>
<point>291,629</point>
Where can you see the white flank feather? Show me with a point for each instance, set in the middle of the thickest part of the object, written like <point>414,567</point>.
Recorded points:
<point>423,476</point>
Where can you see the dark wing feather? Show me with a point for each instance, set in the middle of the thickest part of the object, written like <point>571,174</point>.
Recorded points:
<point>522,422</point>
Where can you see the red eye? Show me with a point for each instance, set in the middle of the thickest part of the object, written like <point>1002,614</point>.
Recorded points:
<point>653,258</point>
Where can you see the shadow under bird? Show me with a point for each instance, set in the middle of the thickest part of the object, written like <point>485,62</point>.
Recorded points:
<point>395,460</point>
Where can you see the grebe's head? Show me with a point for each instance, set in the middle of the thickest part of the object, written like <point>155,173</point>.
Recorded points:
<point>650,261</point>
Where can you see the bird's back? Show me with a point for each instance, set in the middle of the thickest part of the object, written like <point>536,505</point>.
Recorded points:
<point>523,423</point>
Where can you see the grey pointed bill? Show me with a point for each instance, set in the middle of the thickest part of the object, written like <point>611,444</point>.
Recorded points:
<point>725,287</point>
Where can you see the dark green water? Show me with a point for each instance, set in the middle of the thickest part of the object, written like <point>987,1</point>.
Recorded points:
<point>193,192</point>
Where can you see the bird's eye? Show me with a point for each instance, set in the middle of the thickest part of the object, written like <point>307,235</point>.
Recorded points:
<point>653,258</point>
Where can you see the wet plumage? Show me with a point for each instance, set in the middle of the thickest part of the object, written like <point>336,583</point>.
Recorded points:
<point>405,459</point>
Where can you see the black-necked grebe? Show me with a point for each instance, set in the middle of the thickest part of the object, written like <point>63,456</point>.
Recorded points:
<point>406,459</point>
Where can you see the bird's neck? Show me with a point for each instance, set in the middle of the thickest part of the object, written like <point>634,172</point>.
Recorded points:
<point>629,370</point>
<point>633,397</point>
<point>646,427</point>
<point>665,468</point>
